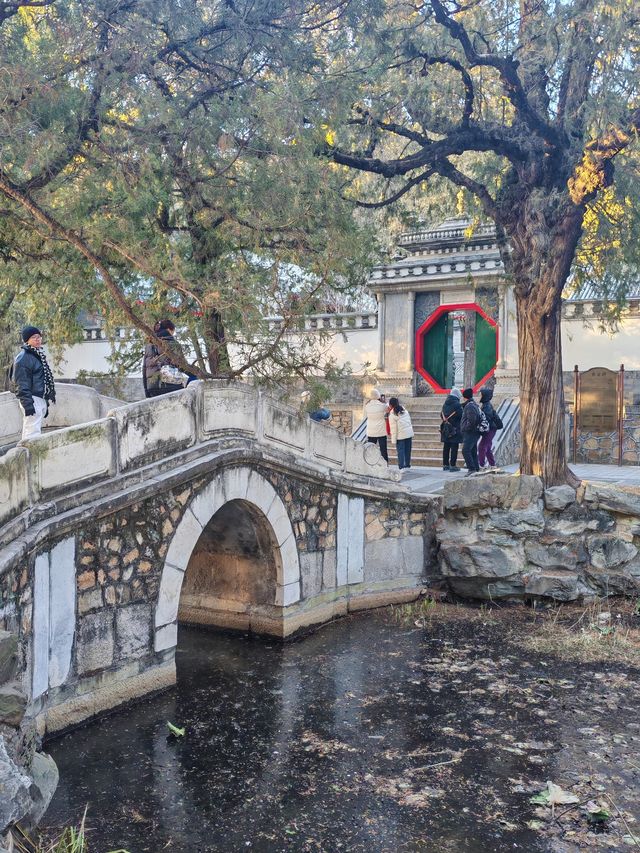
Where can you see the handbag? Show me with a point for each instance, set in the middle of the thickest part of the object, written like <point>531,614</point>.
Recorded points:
<point>483,423</point>
<point>171,375</point>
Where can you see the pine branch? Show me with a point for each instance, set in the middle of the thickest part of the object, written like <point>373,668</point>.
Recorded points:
<point>507,68</point>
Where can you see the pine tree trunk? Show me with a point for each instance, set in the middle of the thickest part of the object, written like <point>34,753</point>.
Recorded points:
<point>541,262</point>
<point>542,412</point>
<point>217,351</point>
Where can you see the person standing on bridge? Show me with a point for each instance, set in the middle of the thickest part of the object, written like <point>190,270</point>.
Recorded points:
<point>33,382</point>
<point>153,361</point>
<point>375,411</point>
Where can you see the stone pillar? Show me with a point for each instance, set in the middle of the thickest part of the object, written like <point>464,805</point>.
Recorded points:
<point>507,371</point>
<point>381,331</point>
<point>503,325</point>
<point>411,335</point>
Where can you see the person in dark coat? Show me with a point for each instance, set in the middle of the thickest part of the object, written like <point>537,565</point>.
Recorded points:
<point>154,360</point>
<point>450,434</point>
<point>470,432</point>
<point>33,381</point>
<point>485,445</point>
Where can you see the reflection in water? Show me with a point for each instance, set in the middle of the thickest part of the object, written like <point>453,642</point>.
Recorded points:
<point>322,744</point>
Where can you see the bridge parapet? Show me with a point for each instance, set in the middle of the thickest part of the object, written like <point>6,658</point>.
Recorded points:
<point>76,404</point>
<point>62,462</point>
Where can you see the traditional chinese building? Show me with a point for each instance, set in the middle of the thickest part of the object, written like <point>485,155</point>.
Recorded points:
<point>445,314</point>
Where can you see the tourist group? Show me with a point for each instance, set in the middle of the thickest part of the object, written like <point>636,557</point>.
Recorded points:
<point>462,421</point>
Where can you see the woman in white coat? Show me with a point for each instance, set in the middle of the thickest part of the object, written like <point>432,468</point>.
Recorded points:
<point>375,412</point>
<point>401,432</point>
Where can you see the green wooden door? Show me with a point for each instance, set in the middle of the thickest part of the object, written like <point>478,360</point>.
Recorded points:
<point>485,347</point>
<point>435,351</point>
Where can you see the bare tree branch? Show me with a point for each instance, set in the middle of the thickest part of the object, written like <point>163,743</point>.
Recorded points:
<point>471,138</point>
<point>507,68</point>
<point>448,170</point>
<point>466,79</point>
<point>13,192</point>
<point>418,179</point>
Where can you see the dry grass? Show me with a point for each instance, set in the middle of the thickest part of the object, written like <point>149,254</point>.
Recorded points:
<point>71,840</point>
<point>603,630</point>
<point>427,610</point>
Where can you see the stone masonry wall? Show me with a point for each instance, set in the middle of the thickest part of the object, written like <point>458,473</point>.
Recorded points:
<point>119,560</point>
<point>342,420</point>
<point>507,537</point>
<point>399,540</point>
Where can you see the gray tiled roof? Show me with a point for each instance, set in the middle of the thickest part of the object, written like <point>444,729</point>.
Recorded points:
<point>590,293</point>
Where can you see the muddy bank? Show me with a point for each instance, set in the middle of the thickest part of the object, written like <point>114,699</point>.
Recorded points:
<point>425,728</point>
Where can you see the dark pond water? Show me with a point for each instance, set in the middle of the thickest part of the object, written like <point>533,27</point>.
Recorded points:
<point>363,737</point>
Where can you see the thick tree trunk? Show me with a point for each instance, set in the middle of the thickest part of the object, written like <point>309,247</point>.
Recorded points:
<point>217,351</point>
<point>541,261</point>
<point>542,413</point>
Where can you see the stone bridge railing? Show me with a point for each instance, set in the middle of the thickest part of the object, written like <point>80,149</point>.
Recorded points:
<point>76,404</point>
<point>39,477</point>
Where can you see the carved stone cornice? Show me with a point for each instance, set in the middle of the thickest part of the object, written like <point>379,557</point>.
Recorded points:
<point>441,258</point>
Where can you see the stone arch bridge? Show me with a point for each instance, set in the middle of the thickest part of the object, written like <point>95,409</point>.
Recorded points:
<point>215,505</point>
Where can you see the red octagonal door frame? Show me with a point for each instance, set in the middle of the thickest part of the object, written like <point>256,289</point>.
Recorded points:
<point>429,322</point>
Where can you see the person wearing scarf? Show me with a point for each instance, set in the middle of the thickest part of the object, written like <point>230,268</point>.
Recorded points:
<point>34,385</point>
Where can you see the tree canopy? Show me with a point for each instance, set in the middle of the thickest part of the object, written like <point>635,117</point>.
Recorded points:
<point>206,158</point>
<point>155,162</point>
<point>532,108</point>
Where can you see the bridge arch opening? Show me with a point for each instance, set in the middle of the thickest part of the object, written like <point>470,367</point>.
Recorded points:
<point>232,571</point>
<point>252,530</point>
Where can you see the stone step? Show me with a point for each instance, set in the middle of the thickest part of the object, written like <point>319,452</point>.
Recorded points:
<point>13,703</point>
<point>420,461</point>
<point>8,656</point>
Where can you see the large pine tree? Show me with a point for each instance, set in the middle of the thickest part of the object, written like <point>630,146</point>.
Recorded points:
<point>525,105</point>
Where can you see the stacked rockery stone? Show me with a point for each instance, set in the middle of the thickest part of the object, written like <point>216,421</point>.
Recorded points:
<point>505,536</point>
<point>27,778</point>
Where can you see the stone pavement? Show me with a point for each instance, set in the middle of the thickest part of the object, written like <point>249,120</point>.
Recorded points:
<point>432,480</point>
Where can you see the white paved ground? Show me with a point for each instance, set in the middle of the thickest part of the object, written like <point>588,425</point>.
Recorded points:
<point>432,480</point>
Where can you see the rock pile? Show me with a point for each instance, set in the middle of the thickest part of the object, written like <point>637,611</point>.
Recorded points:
<point>28,778</point>
<point>504,536</point>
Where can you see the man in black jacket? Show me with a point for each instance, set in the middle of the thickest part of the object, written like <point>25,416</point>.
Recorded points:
<point>470,432</point>
<point>450,434</point>
<point>34,386</point>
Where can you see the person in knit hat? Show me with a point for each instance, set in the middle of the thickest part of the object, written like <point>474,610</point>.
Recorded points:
<point>375,411</point>
<point>450,435</point>
<point>33,380</point>
<point>471,416</point>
